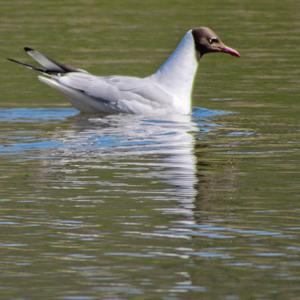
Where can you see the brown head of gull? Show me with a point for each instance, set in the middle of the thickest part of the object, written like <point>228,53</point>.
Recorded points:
<point>206,41</point>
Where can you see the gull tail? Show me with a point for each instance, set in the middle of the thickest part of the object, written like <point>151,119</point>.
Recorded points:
<point>48,65</point>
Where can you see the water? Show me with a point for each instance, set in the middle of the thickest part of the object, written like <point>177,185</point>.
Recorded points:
<point>129,207</point>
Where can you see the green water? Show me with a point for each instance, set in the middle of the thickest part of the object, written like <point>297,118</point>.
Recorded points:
<point>127,207</point>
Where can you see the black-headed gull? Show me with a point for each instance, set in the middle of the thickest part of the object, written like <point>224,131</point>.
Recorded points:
<point>168,90</point>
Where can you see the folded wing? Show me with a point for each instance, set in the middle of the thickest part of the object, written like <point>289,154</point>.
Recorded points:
<point>119,93</point>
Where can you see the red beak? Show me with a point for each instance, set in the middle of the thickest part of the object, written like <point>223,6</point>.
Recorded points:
<point>230,51</point>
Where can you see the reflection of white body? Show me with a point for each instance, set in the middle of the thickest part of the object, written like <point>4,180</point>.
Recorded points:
<point>168,90</point>
<point>135,147</point>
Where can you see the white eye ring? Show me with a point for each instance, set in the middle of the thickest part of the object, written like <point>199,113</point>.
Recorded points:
<point>213,39</point>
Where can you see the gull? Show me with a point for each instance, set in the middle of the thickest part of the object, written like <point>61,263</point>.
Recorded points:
<point>167,91</point>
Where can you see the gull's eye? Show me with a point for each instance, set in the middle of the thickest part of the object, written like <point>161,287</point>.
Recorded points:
<point>213,40</point>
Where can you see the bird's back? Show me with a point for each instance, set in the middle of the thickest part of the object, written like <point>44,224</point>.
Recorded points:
<point>120,93</point>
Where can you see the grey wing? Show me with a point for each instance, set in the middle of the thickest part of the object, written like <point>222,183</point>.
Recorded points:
<point>123,93</point>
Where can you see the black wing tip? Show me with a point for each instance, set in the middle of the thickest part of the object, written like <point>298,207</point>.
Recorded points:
<point>43,70</point>
<point>11,59</point>
<point>28,49</point>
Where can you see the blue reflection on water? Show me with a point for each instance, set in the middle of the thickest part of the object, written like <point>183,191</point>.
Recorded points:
<point>17,147</point>
<point>90,138</point>
<point>58,114</point>
<point>36,114</point>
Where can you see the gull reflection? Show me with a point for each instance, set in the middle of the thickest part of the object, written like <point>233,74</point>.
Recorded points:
<point>151,150</point>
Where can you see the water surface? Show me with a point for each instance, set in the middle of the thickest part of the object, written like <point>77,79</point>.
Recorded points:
<point>131,207</point>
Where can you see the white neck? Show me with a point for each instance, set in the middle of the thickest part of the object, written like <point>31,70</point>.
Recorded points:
<point>177,74</point>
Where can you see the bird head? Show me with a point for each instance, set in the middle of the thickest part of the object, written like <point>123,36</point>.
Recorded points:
<point>206,41</point>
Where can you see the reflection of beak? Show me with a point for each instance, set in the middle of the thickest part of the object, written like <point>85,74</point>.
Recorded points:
<point>230,51</point>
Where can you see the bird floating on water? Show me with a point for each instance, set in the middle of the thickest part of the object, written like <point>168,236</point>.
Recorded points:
<point>168,90</point>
